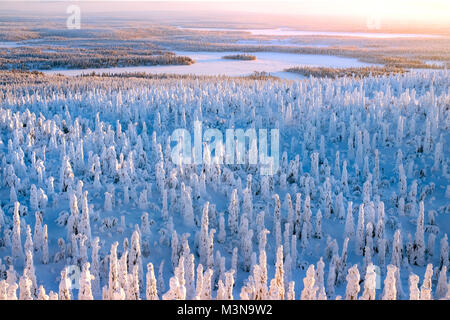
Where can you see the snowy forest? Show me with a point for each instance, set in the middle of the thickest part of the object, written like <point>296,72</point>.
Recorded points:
<point>93,207</point>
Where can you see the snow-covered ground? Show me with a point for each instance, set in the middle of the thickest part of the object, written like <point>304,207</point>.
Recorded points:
<point>359,207</point>
<point>211,63</point>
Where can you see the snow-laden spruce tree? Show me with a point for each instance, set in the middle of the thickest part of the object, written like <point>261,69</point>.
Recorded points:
<point>135,256</point>
<point>309,291</point>
<point>187,209</point>
<point>133,291</point>
<point>319,280</point>
<point>279,274</point>
<point>85,225</point>
<point>370,284</point>
<point>25,288</point>
<point>38,236</point>
<point>246,244</point>
<point>352,289</point>
<point>29,272</point>
<point>175,249</point>
<point>65,292</point>
<point>426,288</point>
<point>419,239</point>
<point>397,249</point>
<point>442,286</point>
<point>247,206</point>
<point>66,175</point>
<point>390,287</point>
<point>17,251</point>
<point>359,244</point>
<point>85,291</point>
<point>414,292</point>
<point>444,257</point>
<point>204,235</point>
<point>151,292</point>
<point>318,225</point>
<point>233,213</point>
<point>349,223</point>
<point>114,291</point>
<point>95,270</point>
<point>42,295</point>
<point>190,275</point>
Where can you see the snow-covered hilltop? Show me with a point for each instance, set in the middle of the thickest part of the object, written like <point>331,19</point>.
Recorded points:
<point>92,206</point>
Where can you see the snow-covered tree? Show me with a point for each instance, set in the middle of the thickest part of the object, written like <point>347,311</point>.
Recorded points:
<point>233,212</point>
<point>85,291</point>
<point>310,289</point>
<point>390,287</point>
<point>425,289</point>
<point>352,289</point>
<point>151,292</point>
<point>17,251</point>
<point>370,285</point>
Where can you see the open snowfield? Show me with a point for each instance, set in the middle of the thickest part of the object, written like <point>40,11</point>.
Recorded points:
<point>211,63</point>
<point>358,208</point>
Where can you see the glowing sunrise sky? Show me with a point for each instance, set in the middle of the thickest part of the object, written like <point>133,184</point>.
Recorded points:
<point>407,13</point>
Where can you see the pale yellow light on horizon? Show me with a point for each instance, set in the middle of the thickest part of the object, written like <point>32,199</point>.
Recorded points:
<point>413,11</point>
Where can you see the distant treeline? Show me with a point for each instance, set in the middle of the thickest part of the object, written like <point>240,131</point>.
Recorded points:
<point>29,58</point>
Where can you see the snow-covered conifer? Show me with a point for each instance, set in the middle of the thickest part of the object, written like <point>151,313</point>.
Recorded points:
<point>425,289</point>
<point>318,226</point>
<point>352,289</point>
<point>369,283</point>
<point>359,245</point>
<point>442,287</point>
<point>414,292</point>
<point>151,291</point>
<point>397,249</point>
<point>38,236</point>
<point>85,291</point>
<point>160,281</point>
<point>204,235</point>
<point>349,223</point>
<point>419,239</point>
<point>145,224</point>
<point>135,256</point>
<point>430,246</point>
<point>390,287</point>
<point>85,225</point>
<point>17,251</point>
<point>42,295</point>
<point>309,291</point>
<point>444,252</point>
<point>233,212</point>
<point>190,276</point>
<point>95,271</point>
<point>65,292</point>
<point>25,288</point>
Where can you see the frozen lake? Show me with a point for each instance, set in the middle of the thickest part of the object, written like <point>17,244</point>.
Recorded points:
<point>292,32</point>
<point>211,63</point>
